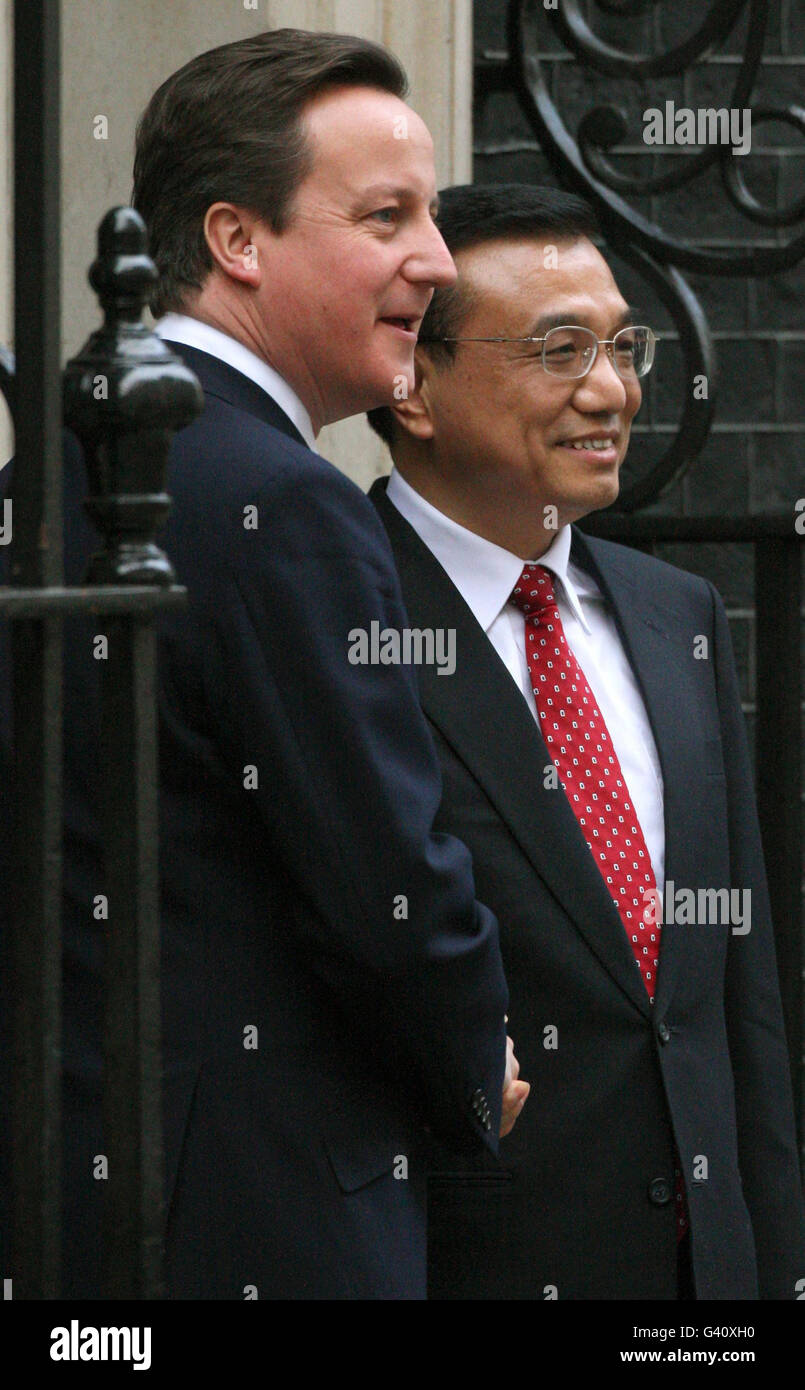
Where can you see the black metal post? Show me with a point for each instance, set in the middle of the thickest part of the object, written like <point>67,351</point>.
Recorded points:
<point>125,429</point>
<point>132,1057</point>
<point>36,560</point>
<point>125,394</point>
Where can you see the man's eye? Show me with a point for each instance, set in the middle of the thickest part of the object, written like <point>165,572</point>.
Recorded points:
<point>386,215</point>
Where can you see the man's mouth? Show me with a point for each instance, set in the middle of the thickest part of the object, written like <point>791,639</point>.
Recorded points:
<point>602,448</point>
<point>408,326</point>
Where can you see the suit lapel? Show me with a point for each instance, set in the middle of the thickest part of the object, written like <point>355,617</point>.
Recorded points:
<point>219,379</point>
<point>482,715</point>
<point>655,649</point>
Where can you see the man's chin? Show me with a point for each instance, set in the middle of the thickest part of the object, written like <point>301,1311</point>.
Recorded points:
<point>596,498</point>
<point>607,491</point>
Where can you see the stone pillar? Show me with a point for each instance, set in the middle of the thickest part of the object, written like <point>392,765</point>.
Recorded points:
<point>115,54</point>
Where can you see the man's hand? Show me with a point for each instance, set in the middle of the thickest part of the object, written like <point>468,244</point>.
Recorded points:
<point>514,1091</point>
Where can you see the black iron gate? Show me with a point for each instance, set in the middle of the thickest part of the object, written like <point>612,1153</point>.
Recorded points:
<point>124,396</point>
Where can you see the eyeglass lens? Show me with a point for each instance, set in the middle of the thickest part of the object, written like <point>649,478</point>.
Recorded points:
<point>570,351</point>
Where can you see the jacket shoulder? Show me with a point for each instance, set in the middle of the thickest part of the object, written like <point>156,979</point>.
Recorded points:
<point>229,461</point>
<point>654,577</point>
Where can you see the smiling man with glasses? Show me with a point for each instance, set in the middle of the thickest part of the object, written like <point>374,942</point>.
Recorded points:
<point>594,759</point>
<point>569,350</point>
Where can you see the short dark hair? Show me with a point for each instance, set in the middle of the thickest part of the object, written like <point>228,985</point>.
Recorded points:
<point>470,215</point>
<point>228,127</point>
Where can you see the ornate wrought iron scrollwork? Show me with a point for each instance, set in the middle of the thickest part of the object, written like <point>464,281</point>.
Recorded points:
<point>582,163</point>
<point>699,357</point>
<point>577,35</point>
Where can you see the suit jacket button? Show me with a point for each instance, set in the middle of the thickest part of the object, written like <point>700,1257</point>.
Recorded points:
<point>659,1192</point>
<point>664,1033</point>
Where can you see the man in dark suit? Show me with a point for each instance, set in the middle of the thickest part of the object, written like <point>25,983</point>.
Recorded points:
<point>333,994</point>
<point>595,762</point>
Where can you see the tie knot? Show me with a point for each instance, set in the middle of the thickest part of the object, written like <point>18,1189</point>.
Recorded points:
<point>533,592</point>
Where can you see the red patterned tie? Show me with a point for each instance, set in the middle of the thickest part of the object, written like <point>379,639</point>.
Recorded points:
<point>585,758</point>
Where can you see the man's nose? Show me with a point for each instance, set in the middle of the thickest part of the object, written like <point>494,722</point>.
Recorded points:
<point>430,262</point>
<point>601,388</point>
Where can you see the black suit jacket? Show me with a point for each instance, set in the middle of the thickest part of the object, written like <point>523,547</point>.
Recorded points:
<point>582,1206</point>
<point>369,1022</point>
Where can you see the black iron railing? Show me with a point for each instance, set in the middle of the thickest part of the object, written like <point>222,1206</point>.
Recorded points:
<point>124,395</point>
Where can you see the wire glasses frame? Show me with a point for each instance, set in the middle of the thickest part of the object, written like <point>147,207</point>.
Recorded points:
<point>570,350</point>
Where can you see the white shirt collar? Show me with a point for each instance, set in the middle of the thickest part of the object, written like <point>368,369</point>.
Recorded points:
<point>181,328</point>
<point>483,572</point>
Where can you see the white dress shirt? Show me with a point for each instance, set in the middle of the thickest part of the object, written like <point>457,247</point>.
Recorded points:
<point>181,328</point>
<point>485,576</point>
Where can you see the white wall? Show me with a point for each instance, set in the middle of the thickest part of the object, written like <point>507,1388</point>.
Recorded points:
<point>116,52</point>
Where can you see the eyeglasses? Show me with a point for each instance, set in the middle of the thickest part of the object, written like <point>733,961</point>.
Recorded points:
<point>570,351</point>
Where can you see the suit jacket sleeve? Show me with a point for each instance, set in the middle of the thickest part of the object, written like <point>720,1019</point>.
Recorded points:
<point>348,786</point>
<point>766,1133</point>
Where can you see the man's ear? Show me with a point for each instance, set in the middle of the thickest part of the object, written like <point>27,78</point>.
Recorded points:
<point>414,413</point>
<point>228,232</point>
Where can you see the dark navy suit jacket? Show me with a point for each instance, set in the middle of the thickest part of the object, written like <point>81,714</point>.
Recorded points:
<point>582,1205</point>
<point>315,914</point>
